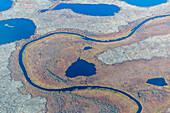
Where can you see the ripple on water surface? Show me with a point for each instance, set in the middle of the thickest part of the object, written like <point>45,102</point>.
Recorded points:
<point>5,5</point>
<point>145,3</point>
<point>16,29</point>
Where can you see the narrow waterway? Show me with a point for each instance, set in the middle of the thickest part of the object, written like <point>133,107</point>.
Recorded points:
<point>90,39</point>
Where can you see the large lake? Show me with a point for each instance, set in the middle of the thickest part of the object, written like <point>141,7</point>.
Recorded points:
<point>16,29</point>
<point>145,3</point>
<point>89,9</point>
<point>5,5</point>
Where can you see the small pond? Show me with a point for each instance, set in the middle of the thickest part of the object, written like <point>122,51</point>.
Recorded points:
<point>87,48</point>
<point>157,81</point>
<point>81,68</point>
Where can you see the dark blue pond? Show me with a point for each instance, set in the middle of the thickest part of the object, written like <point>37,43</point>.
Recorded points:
<point>5,4</point>
<point>157,81</point>
<point>90,9</point>
<point>81,68</point>
<point>87,48</point>
<point>16,29</point>
<point>145,3</point>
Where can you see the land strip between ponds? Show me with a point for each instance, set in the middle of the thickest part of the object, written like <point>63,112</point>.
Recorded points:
<point>90,39</point>
<point>132,31</point>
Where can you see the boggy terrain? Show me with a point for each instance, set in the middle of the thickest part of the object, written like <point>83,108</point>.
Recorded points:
<point>67,19</point>
<point>46,61</point>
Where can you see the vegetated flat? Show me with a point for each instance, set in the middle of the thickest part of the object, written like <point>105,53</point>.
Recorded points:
<point>58,52</point>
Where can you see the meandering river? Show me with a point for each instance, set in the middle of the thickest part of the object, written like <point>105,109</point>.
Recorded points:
<point>90,39</point>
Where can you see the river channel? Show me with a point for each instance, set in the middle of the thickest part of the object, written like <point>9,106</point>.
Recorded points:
<point>90,39</point>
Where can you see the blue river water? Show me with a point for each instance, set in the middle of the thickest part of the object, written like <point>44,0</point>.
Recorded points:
<point>145,3</point>
<point>16,29</point>
<point>157,81</point>
<point>89,9</point>
<point>81,68</point>
<point>70,88</point>
<point>90,39</point>
<point>112,40</point>
<point>5,5</point>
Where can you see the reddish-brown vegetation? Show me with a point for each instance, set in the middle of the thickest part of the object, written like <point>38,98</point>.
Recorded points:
<point>49,58</point>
